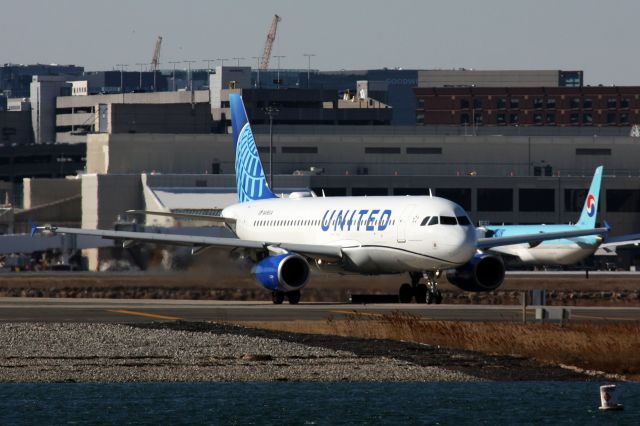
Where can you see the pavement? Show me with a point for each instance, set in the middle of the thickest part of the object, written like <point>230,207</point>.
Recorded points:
<point>16,309</point>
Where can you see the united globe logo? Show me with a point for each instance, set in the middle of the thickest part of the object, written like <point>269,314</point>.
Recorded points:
<point>591,205</point>
<point>250,178</point>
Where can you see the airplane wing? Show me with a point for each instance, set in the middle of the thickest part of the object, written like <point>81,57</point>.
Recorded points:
<point>204,217</point>
<point>487,243</point>
<point>610,244</point>
<point>310,250</point>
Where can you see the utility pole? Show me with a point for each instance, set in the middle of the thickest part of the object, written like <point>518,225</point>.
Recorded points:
<point>237,59</point>
<point>208,61</point>
<point>190,77</point>
<point>279,57</point>
<point>271,111</point>
<point>141,65</point>
<point>308,55</point>
<point>174,73</point>
<point>221,61</point>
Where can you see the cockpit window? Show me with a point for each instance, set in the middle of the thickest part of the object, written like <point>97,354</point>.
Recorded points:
<point>448,220</point>
<point>433,221</point>
<point>425,220</point>
<point>463,220</point>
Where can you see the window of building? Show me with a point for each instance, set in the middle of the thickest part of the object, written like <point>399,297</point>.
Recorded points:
<point>477,103</point>
<point>551,119</point>
<point>420,118</point>
<point>574,118</point>
<point>537,118</point>
<point>624,118</point>
<point>464,103</point>
<point>479,120</point>
<point>574,199</point>
<point>514,118</point>
<point>382,150</point>
<point>423,150</point>
<point>587,118</point>
<point>538,103</point>
<point>502,103</point>
<point>612,118</point>
<point>460,196</point>
<point>587,103</point>
<point>299,150</point>
<point>495,199</point>
<point>574,103</point>
<point>537,200</point>
<point>551,103</point>
<point>265,149</point>
<point>368,191</point>
<point>624,103</point>
<point>593,151</point>
<point>623,200</point>
<point>421,103</point>
<point>612,103</point>
<point>464,118</point>
<point>501,119</point>
<point>515,103</point>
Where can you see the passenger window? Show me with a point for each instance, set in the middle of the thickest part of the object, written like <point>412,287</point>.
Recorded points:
<point>448,220</point>
<point>433,221</point>
<point>463,220</point>
<point>425,221</point>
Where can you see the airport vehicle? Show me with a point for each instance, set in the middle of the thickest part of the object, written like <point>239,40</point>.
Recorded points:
<point>282,237</point>
<point>564,251</point>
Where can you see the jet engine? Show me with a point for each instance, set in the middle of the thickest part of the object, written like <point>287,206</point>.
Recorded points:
<point>483,272</point>
<point>283,272</point>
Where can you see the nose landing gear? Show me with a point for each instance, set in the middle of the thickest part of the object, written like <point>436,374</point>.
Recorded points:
<point>422,292</point>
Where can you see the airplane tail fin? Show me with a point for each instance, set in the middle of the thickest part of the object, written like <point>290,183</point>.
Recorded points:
<point>250,179</point>
<point>590,209</point>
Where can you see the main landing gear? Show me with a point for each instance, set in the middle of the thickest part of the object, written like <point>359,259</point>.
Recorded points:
<point>278,297</point>
<point>424,293</point>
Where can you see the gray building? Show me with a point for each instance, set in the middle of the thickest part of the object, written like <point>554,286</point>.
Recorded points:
<point>43,93</point>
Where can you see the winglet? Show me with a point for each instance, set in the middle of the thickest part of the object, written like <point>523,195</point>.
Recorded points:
<point>33,227</point>
<point>605,224</point>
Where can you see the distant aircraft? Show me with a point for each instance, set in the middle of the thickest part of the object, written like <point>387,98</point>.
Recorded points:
<point>283,237</point>
<point>564,251</point>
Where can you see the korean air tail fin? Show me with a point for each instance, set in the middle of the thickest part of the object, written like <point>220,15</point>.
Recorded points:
<point>250,179</point>
<point>590,209</point>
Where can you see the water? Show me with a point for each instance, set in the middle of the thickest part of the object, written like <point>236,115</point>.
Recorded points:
<point>521,403</point>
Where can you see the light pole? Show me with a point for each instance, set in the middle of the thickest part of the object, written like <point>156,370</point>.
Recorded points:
<point>308,55</point>
<point>208,61</point>
<point>122,79</point>
<point>190,77</point>
<point>257,58</point>
<point>271,111</point>
<point>155,73</point>
<point>279,57</point>
<point>141,65</point>
<point>221,61</point>
<point>174,73</point>
<point>238,61</point>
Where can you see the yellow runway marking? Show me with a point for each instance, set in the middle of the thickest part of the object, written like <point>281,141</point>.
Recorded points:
<point>144,314</point>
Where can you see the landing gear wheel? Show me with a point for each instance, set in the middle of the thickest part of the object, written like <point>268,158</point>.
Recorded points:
<point>406,293</point>
<point>437,297</point>
<point>294,297</point>
<point>277,297</point>
<point>421,293</point>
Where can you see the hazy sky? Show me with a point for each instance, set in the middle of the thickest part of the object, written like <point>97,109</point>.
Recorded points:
<point>599,37</point>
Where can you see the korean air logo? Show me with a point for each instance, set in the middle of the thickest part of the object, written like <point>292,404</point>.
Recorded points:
<point>591,205</point>
<point>250,178</point>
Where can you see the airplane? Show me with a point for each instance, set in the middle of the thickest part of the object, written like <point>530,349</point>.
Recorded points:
<point>283,237</point>
<point>565,251</point>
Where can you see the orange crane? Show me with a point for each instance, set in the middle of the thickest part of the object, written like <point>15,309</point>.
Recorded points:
<point>266,55</point>
<point>156,55</point>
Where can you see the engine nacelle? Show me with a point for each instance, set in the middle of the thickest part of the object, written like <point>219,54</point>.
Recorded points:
<point>282,272</point>
<point>483,272</point>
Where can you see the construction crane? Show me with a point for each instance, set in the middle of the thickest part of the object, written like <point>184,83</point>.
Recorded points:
<point>156,55</point>
<point>266,55</point>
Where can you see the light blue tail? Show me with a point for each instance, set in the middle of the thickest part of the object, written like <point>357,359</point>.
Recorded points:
<point>590,209</point>
<point>250,180</point>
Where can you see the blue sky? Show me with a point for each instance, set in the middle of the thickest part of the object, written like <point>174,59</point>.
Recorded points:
<point>598,37</point>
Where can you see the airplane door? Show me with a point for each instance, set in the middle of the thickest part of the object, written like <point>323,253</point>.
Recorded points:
<point>403,222</point>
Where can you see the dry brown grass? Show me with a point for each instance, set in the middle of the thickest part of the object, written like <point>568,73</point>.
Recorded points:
<point>613,348</point>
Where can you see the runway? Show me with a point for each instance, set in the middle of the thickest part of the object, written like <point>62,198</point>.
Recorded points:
<point>138,311</point>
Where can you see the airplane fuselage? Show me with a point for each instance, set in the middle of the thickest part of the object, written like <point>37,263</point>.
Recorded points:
<point>378,235</point>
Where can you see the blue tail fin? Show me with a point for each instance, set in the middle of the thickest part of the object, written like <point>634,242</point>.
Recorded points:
<point>250,180</point>
<point>590,209</point>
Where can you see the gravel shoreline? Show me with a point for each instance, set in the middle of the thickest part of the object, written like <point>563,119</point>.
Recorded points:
<point>182,351</point>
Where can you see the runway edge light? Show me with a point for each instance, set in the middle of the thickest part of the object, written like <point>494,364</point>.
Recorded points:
<point>607,399</point>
